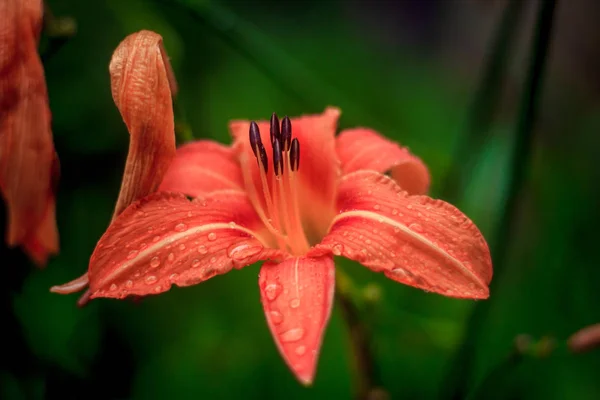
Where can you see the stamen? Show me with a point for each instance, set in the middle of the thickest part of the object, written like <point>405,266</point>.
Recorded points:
<point>275,132</point>
<point>277,160</point>
<point>295,155</point>
<point>286,133</point>
<point>255,141</point>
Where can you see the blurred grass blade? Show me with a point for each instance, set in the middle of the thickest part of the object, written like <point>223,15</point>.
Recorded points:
<point>292,76</point>
<point>456,385</point>
<point>485,101</point>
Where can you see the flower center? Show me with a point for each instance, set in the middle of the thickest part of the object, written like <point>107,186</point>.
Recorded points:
<point>280,212</point>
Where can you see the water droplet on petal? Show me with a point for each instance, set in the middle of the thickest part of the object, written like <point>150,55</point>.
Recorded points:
<point>401,273</point>
<point>232,224</point>
<point>158,289</point>
<point>202,250</point>
<point>212,236</point>
<point>132,254</point>
<point>156,238</point>
<point>180,227</point>
<point>155,262</point>
<point>171,257</point>
<point>394,212</point>
<point>295,303</point>
<point>213,260</point>
<point>300,350</point>
<point>292,335</point>
<point>150,279</point>
<point>129,284</point>
<point>376,207</point>
<point>195,263</point>
<point>113,287</point>
<point>243,251</point>
<point>182,246</point>
<point>337,249</point>
<point>276,317</point>
<point>272,290</point>
<point>173,276</point>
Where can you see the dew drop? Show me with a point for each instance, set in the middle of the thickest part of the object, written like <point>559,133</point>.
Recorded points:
<point>232,224</point>
<point>213,260</point>
<point>113,287</point>
<point>368,241</point>
<point>276,317</point>
<point>292,335</point>
<point>400,272</point>
<point>150,229</point>
<point>300,350</point>
<point>202,250</point>
<point>189,214</point>
<point>272,290</point>
<point>143,246</point>
<point>150,279</point>
<point>295,303</point>
<point>174,276</point>
<point>394,212</point>
<point>132,254</point>
<point>171,257</point>
<point>337,249</point>
<point>243,251</point>
<point>182,246</point>
<point>212,236</point>
<point>129,284</point>
<point>156,238</point>
<point>195,263</point>
<point>376,207</point>
<point>158,289</point>
<point>180,227</point>
<point>155,262</point>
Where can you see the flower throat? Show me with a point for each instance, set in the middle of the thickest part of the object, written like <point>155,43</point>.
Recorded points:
<point>280,213</point>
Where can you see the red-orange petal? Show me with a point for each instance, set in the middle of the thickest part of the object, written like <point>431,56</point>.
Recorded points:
<point>26,149</point>
<point>43,242</point>
<point>297,296</point>
<point>415,240</point>
<point>363,148</point>
<point>319,169</point>
<point>202,167</point>
<point>167,239</point>
<point>142,84</point>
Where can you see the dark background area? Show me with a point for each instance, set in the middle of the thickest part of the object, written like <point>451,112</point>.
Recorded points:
<point>415,71</point>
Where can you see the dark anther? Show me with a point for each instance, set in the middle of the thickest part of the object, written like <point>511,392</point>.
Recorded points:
<point>295,155</point>
<point>275,132</point>
<point>286,133</point>
<point>254,137</point>
<point>263,158</point>
<point>277,159</point>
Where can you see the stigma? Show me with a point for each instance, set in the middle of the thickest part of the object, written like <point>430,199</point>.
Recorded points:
<point>278,208</point>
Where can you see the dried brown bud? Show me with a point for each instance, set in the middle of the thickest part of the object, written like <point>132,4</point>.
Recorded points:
<point>585,339</point>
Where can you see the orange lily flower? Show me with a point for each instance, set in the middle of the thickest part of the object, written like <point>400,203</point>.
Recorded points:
<point>29,167</point>
<point>293,194</point>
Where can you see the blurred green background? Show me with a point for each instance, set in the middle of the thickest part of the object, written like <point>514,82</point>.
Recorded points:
<point>414,70</point>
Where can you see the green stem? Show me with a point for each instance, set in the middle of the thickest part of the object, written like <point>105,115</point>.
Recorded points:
<point>366,374</point>
<point>457,381</point>
<point>485,101</point>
